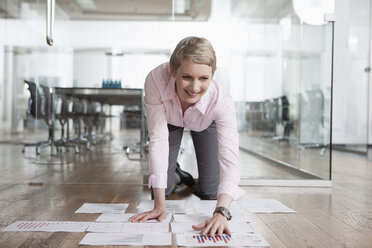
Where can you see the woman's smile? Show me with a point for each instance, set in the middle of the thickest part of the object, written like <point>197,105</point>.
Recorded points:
<point>190,94</point>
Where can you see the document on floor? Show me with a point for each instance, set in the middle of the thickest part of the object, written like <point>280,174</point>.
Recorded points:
<point>199,218</point>
<point>190,218</point>
<point>264,206</point>
<point>158,239</point>
<point>234,227</point>
<point>125,218</point>
<point>47,226</point>
<point>103,227</point>
<point>172,206</point>
<point>238,239</point>
<point>207,207</point>
<point>102,208</point>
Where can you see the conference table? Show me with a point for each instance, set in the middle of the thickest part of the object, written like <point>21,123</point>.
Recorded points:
<point>109,96</point>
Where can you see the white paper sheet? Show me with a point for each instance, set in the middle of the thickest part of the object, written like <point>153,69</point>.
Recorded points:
<point>199,218</point>
<point>125,218</point>
<point>264,206</point>
<point>204,207</point>
<point>102,208</point>
<point>172,206</point>
<point>47,226</point>
<point>225,240</point>
<point>158,239</point>
<point>190,218</point>
<point>100,227</point>
<point>234,228</point>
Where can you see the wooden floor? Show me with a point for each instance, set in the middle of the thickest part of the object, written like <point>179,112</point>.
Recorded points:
<point>326,217</point>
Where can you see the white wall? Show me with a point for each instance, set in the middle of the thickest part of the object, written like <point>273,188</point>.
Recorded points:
<point>350,81</point>
<point>143,63</point>
<point>90,67</point>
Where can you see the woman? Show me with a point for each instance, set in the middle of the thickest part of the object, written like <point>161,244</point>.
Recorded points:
<point>182,94</point>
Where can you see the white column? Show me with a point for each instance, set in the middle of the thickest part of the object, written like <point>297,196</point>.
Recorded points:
<point>8,92</point>
<point>1,84</point>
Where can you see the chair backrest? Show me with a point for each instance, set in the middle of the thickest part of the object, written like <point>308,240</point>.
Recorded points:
<point>77,107</point>
<point>62,104</point>
<point>36,107</point>
<point>285,108</point>
<point>48,104</point>
<point>92,107</point>
<point>271,110</point>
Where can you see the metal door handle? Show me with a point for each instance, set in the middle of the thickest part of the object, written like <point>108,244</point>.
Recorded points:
<point>50,21</point>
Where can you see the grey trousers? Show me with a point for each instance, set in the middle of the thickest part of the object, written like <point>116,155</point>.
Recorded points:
<point>206,149</point>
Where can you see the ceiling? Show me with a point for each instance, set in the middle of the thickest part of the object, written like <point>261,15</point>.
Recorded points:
<point>185,10</point>
<point>131,10</point>
<point>254,11</point>
<point>267,11</point>
<point>9,8</point>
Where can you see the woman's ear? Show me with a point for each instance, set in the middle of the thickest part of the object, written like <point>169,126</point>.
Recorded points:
<point>173,74</point>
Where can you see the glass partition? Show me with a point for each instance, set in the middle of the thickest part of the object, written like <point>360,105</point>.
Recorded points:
<point>275,65</point>
<point>286,62</point>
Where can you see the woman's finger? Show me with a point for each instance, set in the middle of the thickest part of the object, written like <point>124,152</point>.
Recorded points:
<point>213,230</point>
<point>136,217</point>
<point>139,218</point>
<point>208,227</point>
<point>227,230</point>
<point>220,230</point>
<point>132,218</point>
<point>200,226</point>
<point>162,216</point>
<point>149,215</point>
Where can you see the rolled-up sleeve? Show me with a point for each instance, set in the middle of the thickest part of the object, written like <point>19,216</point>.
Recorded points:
<point>158,134</point>
<point>228,149</point>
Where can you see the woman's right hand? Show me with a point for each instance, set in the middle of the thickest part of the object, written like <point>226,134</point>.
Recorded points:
<point>156,213</point>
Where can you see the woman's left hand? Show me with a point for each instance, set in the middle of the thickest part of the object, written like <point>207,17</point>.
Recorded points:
<point>215,225</point>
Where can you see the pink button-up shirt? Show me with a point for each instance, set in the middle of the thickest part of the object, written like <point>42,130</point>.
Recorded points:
<point>163,107</point>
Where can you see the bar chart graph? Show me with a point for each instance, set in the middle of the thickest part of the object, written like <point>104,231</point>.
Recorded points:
<point>202,239</point>
<point>236,239</point>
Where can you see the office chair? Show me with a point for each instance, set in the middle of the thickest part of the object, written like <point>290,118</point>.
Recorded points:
<point>271,117</point>
<point>40,107</point>
<point>63,115</point>
<point>285,120</point>
<point>78,114</point>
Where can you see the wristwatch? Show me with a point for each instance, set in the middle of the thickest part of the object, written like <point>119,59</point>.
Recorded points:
<point>224,211</point>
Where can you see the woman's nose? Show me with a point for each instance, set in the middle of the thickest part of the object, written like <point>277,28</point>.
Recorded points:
<point>194,86</point>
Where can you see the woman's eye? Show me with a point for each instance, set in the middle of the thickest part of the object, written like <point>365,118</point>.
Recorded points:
<point>186,77</point>
<point>203,78</point>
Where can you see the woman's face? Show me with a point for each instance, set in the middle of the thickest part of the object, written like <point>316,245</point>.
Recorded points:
<point>192,82</point>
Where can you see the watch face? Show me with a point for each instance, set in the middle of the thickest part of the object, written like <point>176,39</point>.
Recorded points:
<point>225,212</point>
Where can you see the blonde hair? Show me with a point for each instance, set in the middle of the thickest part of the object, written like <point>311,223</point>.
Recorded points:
<point>198,50</point>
